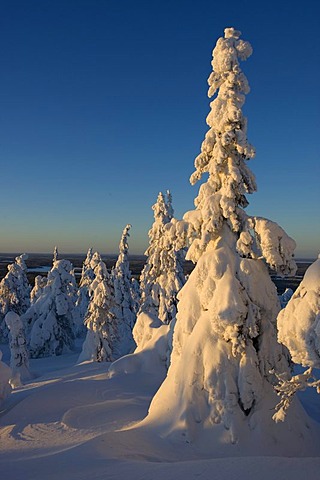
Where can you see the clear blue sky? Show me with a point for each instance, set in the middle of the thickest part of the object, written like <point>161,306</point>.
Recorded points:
<point>103,104</point>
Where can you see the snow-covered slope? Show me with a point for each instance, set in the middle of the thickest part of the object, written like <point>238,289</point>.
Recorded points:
<point>75,423</point>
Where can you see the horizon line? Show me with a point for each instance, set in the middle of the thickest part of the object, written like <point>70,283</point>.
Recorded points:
<point>298,258</point>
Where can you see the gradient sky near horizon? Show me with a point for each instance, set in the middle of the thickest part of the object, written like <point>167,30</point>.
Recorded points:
<point>103,105</point>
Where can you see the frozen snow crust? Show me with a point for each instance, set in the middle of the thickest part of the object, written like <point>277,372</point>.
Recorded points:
<point>73,422</point>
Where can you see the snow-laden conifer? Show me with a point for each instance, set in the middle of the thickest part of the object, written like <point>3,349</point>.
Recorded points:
<point>162,276</point>
<point>83,298</point>
<point>152,269</point>
<point>299,322</point>
<point>219,387</point>
<point>285,297</point>
<point>19,361</point>
<point>87,274</point>
<point>40,283</point>
<point>14,292</point>
<point>299,331</point>
<point>125,305</point>
<point>5,376</point>
<point>50,317</point>
<point>55,254</point>
<point>102,336</point>
<point>161,280</point>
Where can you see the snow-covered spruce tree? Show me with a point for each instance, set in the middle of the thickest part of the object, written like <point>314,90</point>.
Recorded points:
<point>19,361</point>
<point>87,274</point>
<point>83,298</point>
<point>162,276</point>
<point>285,297</point>
<point>14,292</point>
<point>299,331</point>
<point>101,343</point>
<point>5,376</point>
<point>219,390</point>
<point>125,305</point>
<point>50,317</point>
<point>161,280</point>
<point>40,283</point>
<point>55,254</point>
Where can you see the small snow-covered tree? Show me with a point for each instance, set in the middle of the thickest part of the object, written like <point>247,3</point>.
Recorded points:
<point>5,376</point>
<point>125,304</point>
<point>219,389</point>
<point>299,331</point>
<point>285,297</point>
<point>50,317</point>
<point>162,276</point>
<point>126,288</point>
<point>102,337</point>
<point>87,274</point>
<point>161,280</point>
<point>83,298</point>
<point>136,294</point>
<point>14,292</point>
<point>40,283</point>
<point>19,361</point>
<point>55,254</point>
<point>152,268</point>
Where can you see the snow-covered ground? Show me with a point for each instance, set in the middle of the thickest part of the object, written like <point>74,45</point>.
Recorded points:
<point>73,422</point>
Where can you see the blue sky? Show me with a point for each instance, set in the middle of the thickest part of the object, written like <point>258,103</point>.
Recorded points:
<point>103,104</point>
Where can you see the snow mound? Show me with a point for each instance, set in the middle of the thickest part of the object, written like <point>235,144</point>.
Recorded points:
<point>151,355</point>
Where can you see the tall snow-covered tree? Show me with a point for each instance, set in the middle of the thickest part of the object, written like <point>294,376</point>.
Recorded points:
<point>19,361</point>
<point>50,318</point>
<point>162,276</point>
<point>83,298</point>
<point>102,337</point>
<point>125,304</point>
<point>219,387</point>
<point>14,292</point>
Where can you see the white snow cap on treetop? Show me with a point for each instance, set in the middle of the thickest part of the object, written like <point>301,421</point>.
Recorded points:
<point>12,319</point>
<point>231,32</point>
<point>21,259</point>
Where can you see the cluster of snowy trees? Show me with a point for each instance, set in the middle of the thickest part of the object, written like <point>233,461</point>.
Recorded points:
<point>56,311</point>
<point>47,319</point>
<point>226,349</point>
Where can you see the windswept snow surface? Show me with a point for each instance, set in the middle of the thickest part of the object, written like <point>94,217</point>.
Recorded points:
<point>75,423</point>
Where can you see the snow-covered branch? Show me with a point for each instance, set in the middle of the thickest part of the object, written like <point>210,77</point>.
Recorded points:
<point>287,388</point>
